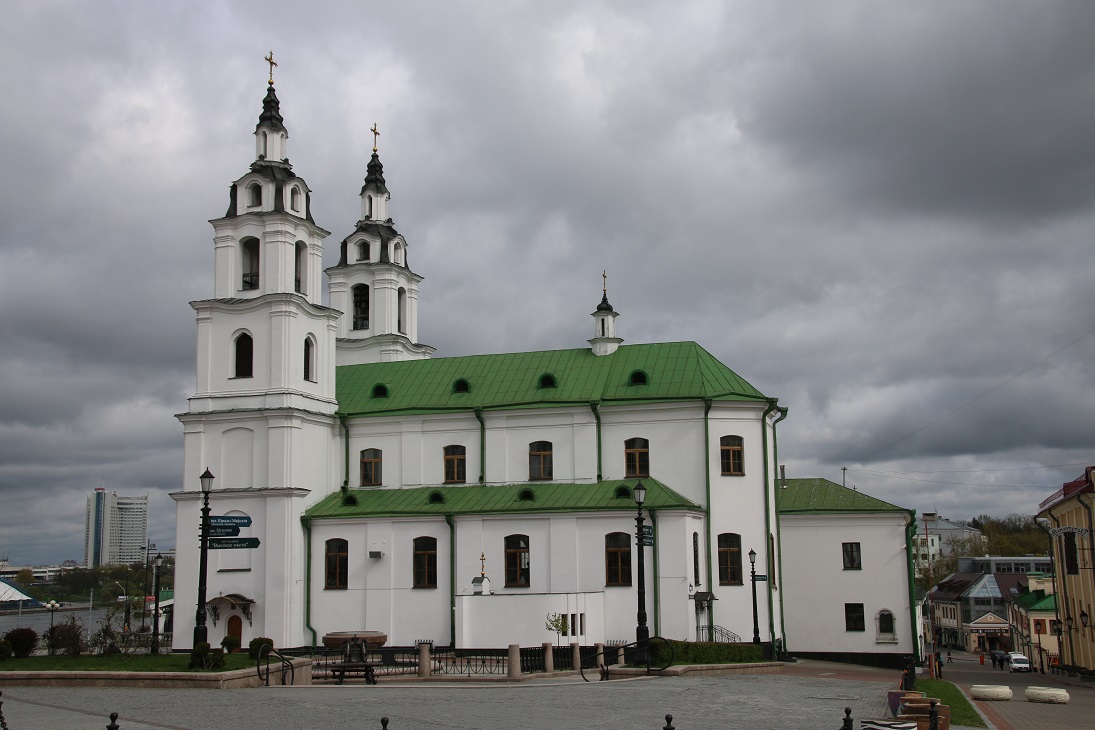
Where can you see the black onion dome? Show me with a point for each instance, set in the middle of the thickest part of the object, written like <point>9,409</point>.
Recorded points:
<point>604,306</point>
<point>271,112</point>
<point>374,175</point>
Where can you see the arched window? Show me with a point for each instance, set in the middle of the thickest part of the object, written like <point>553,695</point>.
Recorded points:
<point>547,380</point>
<point>402,304</point>
<point>361,306</point>
<point>398,253</point>
<point>294,198</point>
<point>461,386</point>
<point>262,145</point>
<point>539,460</point>
<point>638,377</point>
<point>517,561</point>
<point>526,495</point>
<point>454,465</point>
<point>371,462</point>
<point>380,391</point>
<point>732,453</point>
<point>254,191</point>
<point>730,572</point>
<point>309,360</point>
<point>336,558</point>
<point>617,559</point>
<point>249,263</point>
<point>363,251</point>
<point>637,457</point>
<point>436,498</point>
<point>425,562</point>
<point>696,559</point>
<point>368,206</point>
<point>299,262</point>
<point>245,356</point>
<point>885,625</point>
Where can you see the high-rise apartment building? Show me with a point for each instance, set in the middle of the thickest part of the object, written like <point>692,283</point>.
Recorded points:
<point>116,530</point>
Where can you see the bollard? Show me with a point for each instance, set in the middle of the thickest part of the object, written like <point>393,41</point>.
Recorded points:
<point>575,655</point>
<point>620,657</point>
<point>599,650</point>
<point>668,723</point>
<point>513,670</point>
<point>384,723</point>
<point>933,717</point>
<point>3,723</point>
<point>849,724</point>
<point>424,662</point>
<point>113,721</point>
<point>549,659</point>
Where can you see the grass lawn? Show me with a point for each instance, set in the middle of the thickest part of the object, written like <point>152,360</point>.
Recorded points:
<point>118,663</point>
<point>962,712</point>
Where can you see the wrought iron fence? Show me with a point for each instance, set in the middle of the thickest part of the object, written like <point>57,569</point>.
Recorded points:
<point>562,657</point>
<point>532,659</point>
<point>469,661</point>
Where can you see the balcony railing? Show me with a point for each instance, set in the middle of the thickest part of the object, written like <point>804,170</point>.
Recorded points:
<point>250,281</point>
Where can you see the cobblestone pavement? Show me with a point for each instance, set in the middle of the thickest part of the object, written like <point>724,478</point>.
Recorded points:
<point>756,702</point>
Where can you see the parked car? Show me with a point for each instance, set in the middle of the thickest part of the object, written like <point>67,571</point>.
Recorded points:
<point>1018,662</point>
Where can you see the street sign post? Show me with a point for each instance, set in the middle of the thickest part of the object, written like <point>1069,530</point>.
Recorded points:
<point>226,520</point>
<point>231,543</point>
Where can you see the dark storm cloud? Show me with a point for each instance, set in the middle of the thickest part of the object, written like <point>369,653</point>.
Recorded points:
<point>876,213</point>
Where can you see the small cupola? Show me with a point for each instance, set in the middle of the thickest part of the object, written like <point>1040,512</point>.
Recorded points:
<point>271,137</point>
<point>604,339</point>
<point>374,193</point>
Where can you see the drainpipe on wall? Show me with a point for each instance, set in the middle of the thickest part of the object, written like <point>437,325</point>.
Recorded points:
<point>482,446</point>
<point>346,454</point>
<point>768,510</point>
<point>1090,525</point>
<point>779,528</point>
<point>452,580</point>
<point>910,530</point>
<point>595,407</point>
<point>707,402</point>
<point>307,524</point>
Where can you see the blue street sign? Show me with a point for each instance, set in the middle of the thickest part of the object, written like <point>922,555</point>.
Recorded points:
<point>225,520</point>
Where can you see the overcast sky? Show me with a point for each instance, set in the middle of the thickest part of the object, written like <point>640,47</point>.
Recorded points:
<point>880,213</point>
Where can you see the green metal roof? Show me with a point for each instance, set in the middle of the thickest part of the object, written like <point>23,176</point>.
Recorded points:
<point>674,371</point>
<point>802,496</point>
<point>1036,601</point>
<point>500,499</point>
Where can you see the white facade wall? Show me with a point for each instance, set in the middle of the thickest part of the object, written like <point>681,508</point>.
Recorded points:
<point>816,586</point>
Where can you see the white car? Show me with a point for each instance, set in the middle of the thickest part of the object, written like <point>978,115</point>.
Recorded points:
<point>1018,663</point>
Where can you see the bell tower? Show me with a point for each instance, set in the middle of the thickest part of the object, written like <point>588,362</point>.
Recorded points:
<point>373,285</point>
<point>604,339</point>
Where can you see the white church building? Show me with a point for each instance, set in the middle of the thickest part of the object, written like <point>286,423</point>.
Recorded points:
<point>383,484</point>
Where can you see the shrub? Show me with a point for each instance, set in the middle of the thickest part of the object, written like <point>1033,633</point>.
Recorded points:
<point>66,638</point>
<point>256,645</point>
<point>5,650</point>
<point>205,657</point>
<point>703,652</point>
<point>230,644</point>
<point>23,640</point>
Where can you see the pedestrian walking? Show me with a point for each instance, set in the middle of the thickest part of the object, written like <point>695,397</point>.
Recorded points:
<point>950,659</point>
<point>993,658</point>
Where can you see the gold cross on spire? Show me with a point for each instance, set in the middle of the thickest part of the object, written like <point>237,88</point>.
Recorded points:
<point>376,133</point>
<point>482,565</point>
<point>604,275</point>
<point>270,60</point>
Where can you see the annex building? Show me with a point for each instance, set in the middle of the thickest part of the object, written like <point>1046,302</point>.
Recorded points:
<point>456,500</point>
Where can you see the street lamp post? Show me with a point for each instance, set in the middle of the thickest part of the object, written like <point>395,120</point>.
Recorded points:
<point>1055,627</point>
<point>52,606</point>
<point>1069,624</point>
<point>200,632</point>
<point>156,563</point>
<point>642,632</point>
<point>753,580</point>
<point>149,546</point>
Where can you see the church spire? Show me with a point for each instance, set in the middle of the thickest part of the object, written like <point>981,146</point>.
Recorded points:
<point>604,340</point>
<point>271,136</point>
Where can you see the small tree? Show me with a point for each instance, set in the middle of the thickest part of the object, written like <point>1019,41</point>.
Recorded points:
<point>66,638</point>
<point>556,622</point>
<point>24,577</point>
<point>23,640</point>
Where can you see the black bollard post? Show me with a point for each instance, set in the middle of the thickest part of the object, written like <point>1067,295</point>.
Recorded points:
<point>849,724</point>
<point>113,721</point>
<point>384,723</point>
<point>933,717</point>
<point>668,723</point>
<point>3,723</point>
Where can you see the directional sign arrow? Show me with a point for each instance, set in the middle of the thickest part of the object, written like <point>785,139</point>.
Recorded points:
<point>224,530</point>
<point>761,578</point>
<point>237,520</point>
<point>225,543</point>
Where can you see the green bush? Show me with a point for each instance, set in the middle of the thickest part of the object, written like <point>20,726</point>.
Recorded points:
<point>5,650</point>
<point>66,638</point>
<point>230,644</point>
<point>204,656</point>
<point>703,652</point>
<point>256,645</point>
<point>23,640</point>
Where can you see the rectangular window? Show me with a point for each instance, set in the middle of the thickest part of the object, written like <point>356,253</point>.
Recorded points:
<point>425,562</point>
<point>853,617</point>
<point>1071,554</point>
<point>853,558</point>
<point>637,457</point>
<point>335,564</point>
<point>371,461</point>
<point>454,465</point>
<point>730,571</point>
<point>732,450</point>
<point>539,461</point>
<point>517,561</point>
<point>617,559</point>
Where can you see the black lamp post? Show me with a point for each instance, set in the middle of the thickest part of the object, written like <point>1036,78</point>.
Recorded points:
<point>200,632</point>
<point>156,563</point>
<point>642,632</point>
<point>1069,624</point>
<point>1055,627</point>
<point>753,580</point>
<point>52,606</point>
<point>149,546</point>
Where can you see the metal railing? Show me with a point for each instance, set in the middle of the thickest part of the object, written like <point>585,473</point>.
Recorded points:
<point>636,652</point>
<point>263,669</point>
<point>250,281</point>
<point>717,634</point>
<point>469,661</point>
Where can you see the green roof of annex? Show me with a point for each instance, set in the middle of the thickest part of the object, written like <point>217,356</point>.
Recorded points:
<point>805,496</point>
<point>673,371</point>
<point>604,496</point>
